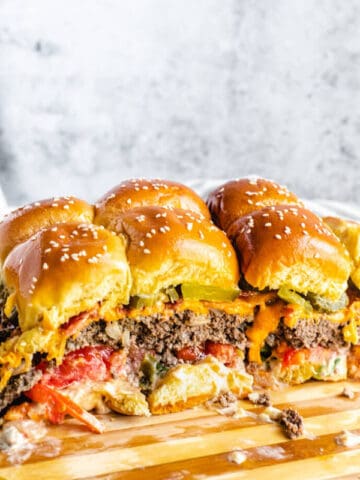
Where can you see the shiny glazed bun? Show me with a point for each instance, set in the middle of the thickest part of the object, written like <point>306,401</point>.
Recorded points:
<point>62,271</point>
<point>22,223</point>
<point>171,247</point>
<point>237,198</point>
<point>292,247</point>
<point>348,232</point>
<point>142,192</point>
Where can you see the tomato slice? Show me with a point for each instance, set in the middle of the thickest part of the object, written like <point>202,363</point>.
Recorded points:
<point>189,354</point>
<point>58,405</point>
<point>224,352</point>
<point>88,363</point>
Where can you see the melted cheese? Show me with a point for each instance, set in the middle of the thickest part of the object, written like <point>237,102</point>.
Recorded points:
<point>265,322</point>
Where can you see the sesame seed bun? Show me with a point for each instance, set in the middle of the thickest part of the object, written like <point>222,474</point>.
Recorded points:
<point>170,247</point>
<point>348,232</point>
<point>237,198</point>
<point>292,247</point>
<point>142,192</point>
<point>22,223</point>
<point>64,270</point>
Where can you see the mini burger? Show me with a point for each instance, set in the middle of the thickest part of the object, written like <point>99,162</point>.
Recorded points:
<point>288,253</point>
<point>140,315</point>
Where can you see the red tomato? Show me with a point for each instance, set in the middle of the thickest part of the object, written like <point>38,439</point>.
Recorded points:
<point>189,354</point>
<point>88,363</point>
<point>222,351</point>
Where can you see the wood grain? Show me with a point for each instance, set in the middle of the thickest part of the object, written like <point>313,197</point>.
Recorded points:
<point>197,443</point>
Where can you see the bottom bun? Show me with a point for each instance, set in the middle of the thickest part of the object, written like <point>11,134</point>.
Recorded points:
<point>188,385</point>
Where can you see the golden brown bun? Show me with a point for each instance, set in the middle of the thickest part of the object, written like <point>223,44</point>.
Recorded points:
<point>291,247</point>
<point>170,247</point>
<point>186,385</point>
<point>22,223</point>
<point>237,198</point>
<point>142,192</point>
<point>348,232</point>
<point>62,271</point>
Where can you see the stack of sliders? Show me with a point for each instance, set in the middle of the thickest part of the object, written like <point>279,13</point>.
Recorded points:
<point>132,305</point>
<point>143,305</point>
<point>307,313</point>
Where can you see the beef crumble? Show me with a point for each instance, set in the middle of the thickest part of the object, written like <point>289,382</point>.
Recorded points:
<point>292,423</point>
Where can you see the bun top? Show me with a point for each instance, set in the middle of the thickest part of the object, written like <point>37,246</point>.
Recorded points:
<point>171,247</point>
<point>141,192</point>
<point>237,198</point>
<point>348,232</point>
<point>22,223</point>
<point>62,271</point>
<point>290,246</point>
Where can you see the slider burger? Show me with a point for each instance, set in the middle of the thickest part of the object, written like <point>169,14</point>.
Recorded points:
<point>289,255</point>
<point>144,318</point>
<point>348,233</point>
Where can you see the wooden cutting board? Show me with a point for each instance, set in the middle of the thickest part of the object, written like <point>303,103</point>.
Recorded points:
<point>197,444</point>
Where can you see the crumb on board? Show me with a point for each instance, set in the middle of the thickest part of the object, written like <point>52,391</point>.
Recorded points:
<point>292,423</point>
<point>348,393</point>
<point>258,398</point>
<point>236,456</point>
<point>347,439</point>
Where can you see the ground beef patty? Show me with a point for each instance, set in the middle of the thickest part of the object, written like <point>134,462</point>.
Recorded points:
<point>308,333</point>
<point>18,384</point>
<point>166,337</point>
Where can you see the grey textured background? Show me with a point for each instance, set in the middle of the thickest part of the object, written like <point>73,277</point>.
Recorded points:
<point>95,91</point>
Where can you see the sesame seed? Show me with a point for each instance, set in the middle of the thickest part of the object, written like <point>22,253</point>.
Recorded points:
<point>47,250</point>
<point>265,215</point>
<point>65,249</point>
<point>66,207</point>
<point>45,266</point>
<point>141,243</point>
<point>267,224</point>
<point>34,279</point>
<point>250,202</point>
<point>105,248</point>
<point>146,251</point>
<point>62,237</point>
<point>37,204</point>
<point>54,204</point>
<point>277,236</point>
<point>93,260</point>
<point>109,197</point>
<point>287,230</point>
<point>140,218</point>
<point>317,255</point>
<point>153,231</point>
<point>75,256</point>
<point>189,226</point>
<point>148,235</point>
<point>305,232</point>
<point>162,229</point>
<point>71,202</point>
<point>128,201</point>
<point>201,235</point>
<point>302,225</point>
<point>145,187</point>
<point>54,229</point>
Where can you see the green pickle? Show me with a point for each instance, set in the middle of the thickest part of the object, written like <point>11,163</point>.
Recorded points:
<point>191,291</point>
<point>292,297</point>
<point>323,304</point>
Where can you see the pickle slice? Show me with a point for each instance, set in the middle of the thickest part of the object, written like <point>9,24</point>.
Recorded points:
<point>191,291</point>
<point>167,295</point>
<point>140,301</point>
<point>325,305</point>
<point>292,297</point>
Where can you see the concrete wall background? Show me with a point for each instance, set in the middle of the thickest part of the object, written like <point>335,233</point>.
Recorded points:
<point>95,91</point>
